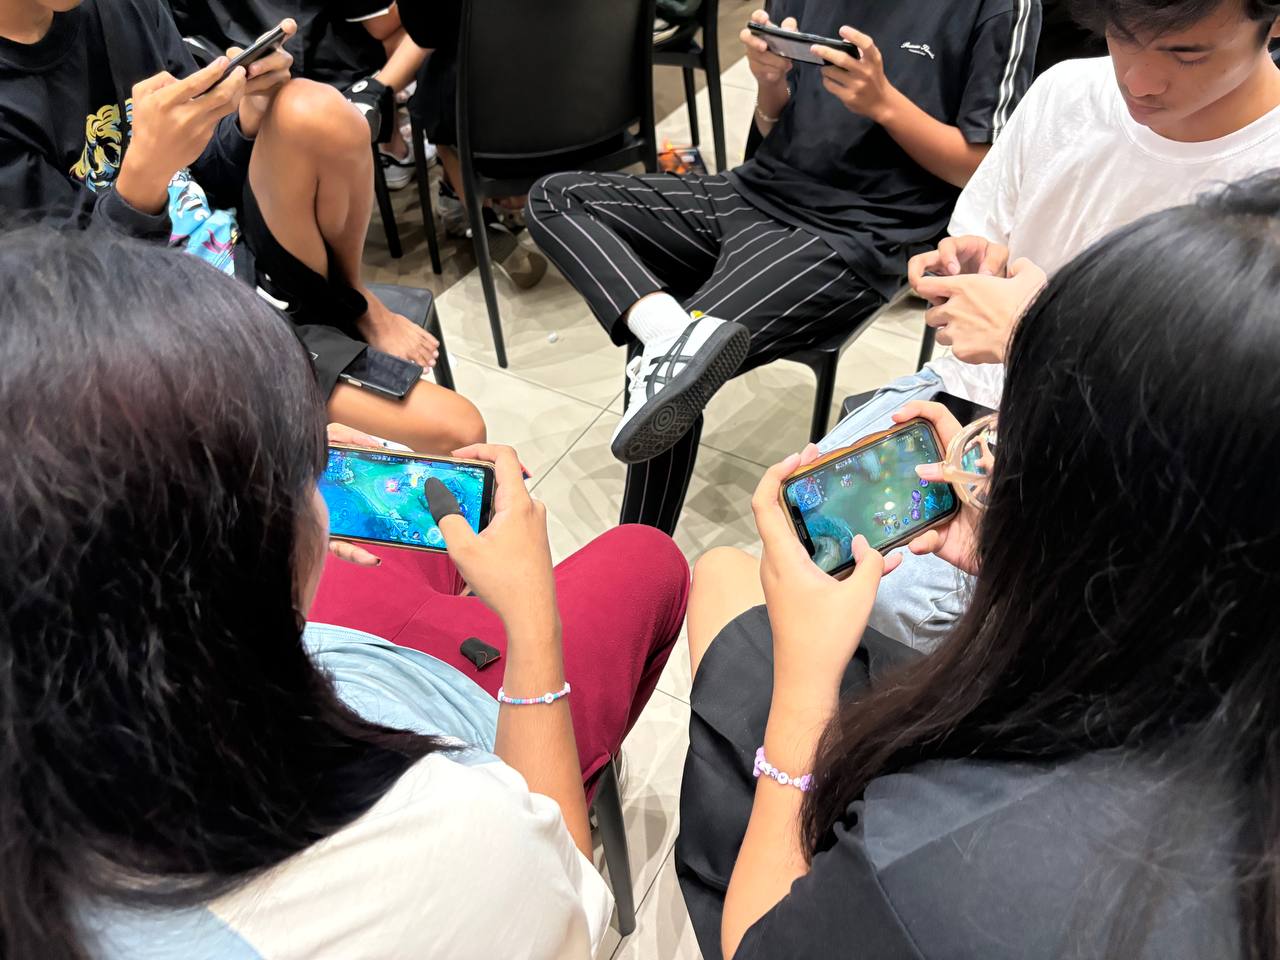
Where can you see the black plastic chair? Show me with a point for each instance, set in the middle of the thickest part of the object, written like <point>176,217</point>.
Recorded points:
<point>607,806</point>
<point>683,50</point>
<point>825,359</point>
<point>544,88</point>
<point>420,307</point>
<point>387,213</point>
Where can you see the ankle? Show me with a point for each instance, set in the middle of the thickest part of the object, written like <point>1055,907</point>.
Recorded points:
<point>656,316</point>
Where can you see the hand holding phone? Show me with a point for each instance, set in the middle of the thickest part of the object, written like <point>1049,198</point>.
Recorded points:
<point>870,489</point>
<point>768,67</point>
<point>507,564</point>
<point>817,620</point>
<point>264,46</point>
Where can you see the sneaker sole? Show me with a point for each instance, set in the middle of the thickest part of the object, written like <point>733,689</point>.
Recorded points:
<point>655,432</point>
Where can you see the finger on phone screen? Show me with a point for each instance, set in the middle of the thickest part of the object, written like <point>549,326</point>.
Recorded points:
<point>440,500</point>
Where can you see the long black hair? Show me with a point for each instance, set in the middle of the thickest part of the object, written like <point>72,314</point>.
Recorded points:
<point>163,732</point>
<point>1129,552</point>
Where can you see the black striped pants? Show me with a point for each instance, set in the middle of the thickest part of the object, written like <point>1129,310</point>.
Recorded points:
<point>618,237</point>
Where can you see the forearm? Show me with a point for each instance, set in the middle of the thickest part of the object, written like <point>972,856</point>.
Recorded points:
<point>771,100</point>
<point>772,858</point>
<point>938,147</point>
<point>537,739</point>
<point>402,65</point>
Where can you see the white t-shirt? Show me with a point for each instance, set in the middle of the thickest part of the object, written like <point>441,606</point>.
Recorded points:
<point>1070,167</point>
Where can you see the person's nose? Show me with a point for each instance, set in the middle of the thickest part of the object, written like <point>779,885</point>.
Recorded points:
<point>1142,81</point>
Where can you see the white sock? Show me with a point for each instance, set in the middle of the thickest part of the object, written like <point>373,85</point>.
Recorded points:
<point>657,316</point>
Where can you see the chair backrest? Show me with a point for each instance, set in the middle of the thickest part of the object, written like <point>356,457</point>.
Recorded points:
<point>537,79</point>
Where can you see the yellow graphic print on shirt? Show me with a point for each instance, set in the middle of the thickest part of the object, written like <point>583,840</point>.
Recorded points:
<point>100,159</point>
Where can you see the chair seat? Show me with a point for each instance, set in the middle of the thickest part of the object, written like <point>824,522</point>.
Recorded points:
<point>412,302</point>
<point>511,176</point>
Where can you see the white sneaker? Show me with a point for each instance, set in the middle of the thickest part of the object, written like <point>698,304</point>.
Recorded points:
<point>670,383</point>
<point>398,171</point>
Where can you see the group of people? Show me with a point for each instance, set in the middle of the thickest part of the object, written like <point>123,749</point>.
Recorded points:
<point>1044,729</point>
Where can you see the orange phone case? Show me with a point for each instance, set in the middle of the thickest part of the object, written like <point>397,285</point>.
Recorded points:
<point>867,441</point>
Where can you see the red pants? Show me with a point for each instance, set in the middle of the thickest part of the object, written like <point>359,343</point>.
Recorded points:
<point>622,600</point>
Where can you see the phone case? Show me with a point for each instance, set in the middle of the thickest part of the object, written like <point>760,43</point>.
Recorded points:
<point>867,441</point>
<point>484,464</point>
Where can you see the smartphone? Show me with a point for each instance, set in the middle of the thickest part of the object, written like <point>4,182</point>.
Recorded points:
<point>795,46</point>
<point>966,411</point>
<point>265,45</point>
<point>377,496</point>
<point>869,488</point>
<point>387,374</point>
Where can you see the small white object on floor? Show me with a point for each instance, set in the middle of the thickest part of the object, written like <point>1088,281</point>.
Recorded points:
<point>552,337</point>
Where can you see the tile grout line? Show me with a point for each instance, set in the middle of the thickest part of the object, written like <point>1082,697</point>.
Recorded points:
<point>668,857</point>
<point>569,449</point>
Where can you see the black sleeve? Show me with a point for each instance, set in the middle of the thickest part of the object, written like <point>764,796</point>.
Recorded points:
<point>433,24</point>
<point>222,168</point>
<point>1001,62</point>
<point>837,909</point>
<point>30,184</point>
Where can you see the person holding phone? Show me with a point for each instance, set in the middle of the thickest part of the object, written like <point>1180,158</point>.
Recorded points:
<point>1087,763</point>
<point>861,161</point>
<point>1188,98</point>
<point>194,764</point>
<point>105,120</point>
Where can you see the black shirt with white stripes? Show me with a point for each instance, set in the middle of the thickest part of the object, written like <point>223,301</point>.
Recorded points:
<point>838,174</point>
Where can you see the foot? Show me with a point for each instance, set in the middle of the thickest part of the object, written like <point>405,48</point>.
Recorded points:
<point>396,334</point>
<point>397,167</point>
<point>523,267</point>
<point>670,383</point>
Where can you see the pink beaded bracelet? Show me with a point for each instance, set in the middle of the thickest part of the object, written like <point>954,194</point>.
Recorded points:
<point>547,698</point>
<point>764,768</point>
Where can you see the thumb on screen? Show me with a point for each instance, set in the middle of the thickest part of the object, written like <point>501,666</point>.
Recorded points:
<point>445,509</point>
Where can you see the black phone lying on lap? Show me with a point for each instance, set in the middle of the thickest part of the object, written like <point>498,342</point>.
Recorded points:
<point>795,45</point>
<point>265,45</point>
<point>966,411</point>
<point>387,374</point>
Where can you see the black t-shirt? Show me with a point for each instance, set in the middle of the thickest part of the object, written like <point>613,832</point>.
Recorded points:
<point>62,134</point>
<point>826,169</point>
<point>331,45</point>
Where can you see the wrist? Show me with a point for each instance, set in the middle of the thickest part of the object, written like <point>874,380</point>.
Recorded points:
<point>144,189</point>
<point>249,118</point>
<point>889,108</point>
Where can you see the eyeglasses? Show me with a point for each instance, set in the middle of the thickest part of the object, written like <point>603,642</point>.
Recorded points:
<point>971,456</point>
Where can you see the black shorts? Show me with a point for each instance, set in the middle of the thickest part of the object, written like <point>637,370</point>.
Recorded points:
<point>323,310</point>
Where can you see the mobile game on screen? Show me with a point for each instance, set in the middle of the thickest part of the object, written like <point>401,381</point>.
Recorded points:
<point>373,495</point>
<point>874,492</point>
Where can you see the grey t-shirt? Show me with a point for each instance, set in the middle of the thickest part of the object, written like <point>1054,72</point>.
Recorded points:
<point>958,859</point>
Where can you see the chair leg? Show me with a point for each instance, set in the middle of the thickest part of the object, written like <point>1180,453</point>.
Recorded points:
<point>691,98</point>
<point>480,241</point>
<point>826,374</point>
<point>384,207</point>
<point>926,346</point>
<point>613,835</point>
<point>424,193</point>
<point>443,372</point>
<point>711,64</point>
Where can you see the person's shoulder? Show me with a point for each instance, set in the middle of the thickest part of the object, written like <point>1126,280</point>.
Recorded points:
<point>447,844</point>
<point>1086,81</point>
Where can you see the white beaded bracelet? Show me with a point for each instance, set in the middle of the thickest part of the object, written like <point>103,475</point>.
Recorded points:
<point>547,698</point>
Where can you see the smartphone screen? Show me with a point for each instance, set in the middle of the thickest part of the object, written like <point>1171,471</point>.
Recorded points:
<point>873,491</point>
<point>378,495</point>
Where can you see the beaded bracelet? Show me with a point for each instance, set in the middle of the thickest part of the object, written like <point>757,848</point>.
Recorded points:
<point>765,768</point>
<point>547,698</point>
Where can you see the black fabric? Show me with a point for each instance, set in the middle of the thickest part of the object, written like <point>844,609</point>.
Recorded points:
<point>329,46</point>
<point>323,310</point>
<point>61,104</point>
<point>826,169</point>
<point>436,27</point>
<point>730,707</point>
<point>1061,38</point>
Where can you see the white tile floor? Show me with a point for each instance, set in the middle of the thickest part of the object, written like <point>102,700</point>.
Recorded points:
<point>558,403</point>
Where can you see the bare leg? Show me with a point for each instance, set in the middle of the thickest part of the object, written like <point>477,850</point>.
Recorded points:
<point>726,583</point>
<point>311,171</point>
<point>430,419</point>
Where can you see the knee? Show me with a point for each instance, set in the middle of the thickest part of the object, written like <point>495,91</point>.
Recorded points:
<point>319,119</point>
<point>716,565</point>
<point>461,426</point>
<point>647,551</point>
